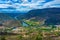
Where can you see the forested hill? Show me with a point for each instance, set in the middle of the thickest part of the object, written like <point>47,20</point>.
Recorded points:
<point>50,15</point>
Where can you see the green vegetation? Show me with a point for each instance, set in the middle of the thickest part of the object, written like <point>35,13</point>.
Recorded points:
<point>2,38</point>
<point>41,25</point>
<point>33,33</point>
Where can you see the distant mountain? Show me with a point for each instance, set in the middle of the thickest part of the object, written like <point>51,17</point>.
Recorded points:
<point>48,15</point>
<point>10,15</point>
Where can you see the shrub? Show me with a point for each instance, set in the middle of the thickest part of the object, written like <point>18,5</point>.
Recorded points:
<point>3,38</point>
<point>20,37</point>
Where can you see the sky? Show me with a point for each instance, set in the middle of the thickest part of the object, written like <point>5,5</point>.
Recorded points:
<point>27,5</point>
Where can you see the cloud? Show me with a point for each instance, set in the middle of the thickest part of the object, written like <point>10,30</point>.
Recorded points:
<point>25,5</point>
<point>54,3</point>
<point>31,5</point>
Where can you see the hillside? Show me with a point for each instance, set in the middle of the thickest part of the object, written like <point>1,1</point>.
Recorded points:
<point>8,20</point>
<point>48,15</point>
